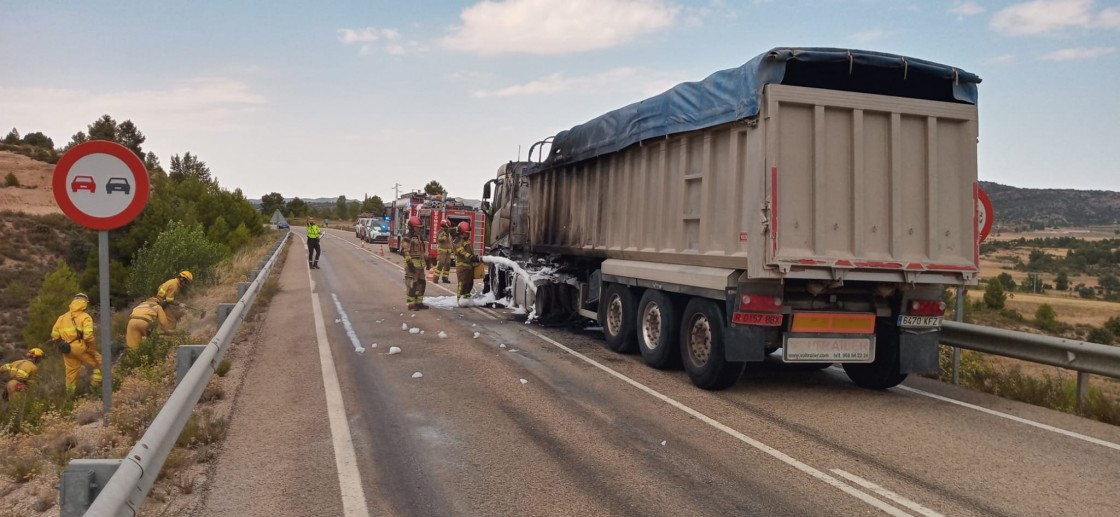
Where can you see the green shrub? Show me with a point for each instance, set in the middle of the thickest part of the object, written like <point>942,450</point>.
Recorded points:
<point>223,368</point>
<point>1046,318</point>
<point>181,246</point>
<point>994,296</point>
<point>53,299</point>
<point>1100,335</point>
<point>10,180</point>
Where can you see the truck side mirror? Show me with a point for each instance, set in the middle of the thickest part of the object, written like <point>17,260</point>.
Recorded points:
<point>486,190</point>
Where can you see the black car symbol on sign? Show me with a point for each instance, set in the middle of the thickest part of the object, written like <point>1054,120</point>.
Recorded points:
<point>118,184</point>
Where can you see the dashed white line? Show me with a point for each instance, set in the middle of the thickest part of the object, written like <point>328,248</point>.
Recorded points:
<point>346,324</point>
<point>779,455</point>
<point>887,493</point>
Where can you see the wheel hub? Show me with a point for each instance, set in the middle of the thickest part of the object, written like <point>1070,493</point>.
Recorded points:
<point>699,340</point>
<point>651,326</point>
<point>614,315</point>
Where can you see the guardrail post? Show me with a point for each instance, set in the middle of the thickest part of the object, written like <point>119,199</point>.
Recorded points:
<point>958,314</point>
<point>253,274</point>
<point>241,288</point>
<point>223,312</point>
<point>80,483</point>
<point>1082,391</point>
<point>185,356</point>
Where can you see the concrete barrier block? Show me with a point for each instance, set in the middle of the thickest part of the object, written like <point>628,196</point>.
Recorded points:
<point>242,288</point>
<point>185,357</point>
<point>80,483</point>
<point>223,312</point>
<point>254,274</point>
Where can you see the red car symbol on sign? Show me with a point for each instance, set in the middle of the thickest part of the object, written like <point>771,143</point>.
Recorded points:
<point>83,183</point>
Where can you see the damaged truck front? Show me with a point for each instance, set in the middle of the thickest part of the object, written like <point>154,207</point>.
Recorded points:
<point>814,201</point>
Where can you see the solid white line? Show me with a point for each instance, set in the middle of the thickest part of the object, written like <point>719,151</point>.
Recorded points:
<point>345,460</point>
<point>1021,420</point>
<point>887,493</point>
<point>783,457</point>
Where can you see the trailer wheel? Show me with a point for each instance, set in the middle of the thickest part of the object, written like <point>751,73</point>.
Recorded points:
<point>702,347</point>
<point>658,330</point>
<point>616,316</point>
<point>883,372</point>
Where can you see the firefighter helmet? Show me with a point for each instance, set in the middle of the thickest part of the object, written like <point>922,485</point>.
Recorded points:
<point>445,223</point>
<point>37,353</point>
<point>464,227</point>
<point>414,221</point>
<point>186,275</point>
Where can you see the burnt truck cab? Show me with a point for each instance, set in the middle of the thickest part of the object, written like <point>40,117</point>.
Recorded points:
<point>815,201</point>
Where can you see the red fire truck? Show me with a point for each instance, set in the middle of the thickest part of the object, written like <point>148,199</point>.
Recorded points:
<point>431,210</point>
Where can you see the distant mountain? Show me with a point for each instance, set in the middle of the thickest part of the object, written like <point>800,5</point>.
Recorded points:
<point>1036,208</point>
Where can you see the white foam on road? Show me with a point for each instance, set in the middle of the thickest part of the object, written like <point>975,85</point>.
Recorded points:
<point>502,261</point>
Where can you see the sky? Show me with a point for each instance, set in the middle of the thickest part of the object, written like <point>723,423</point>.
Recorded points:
<point>354,98</point>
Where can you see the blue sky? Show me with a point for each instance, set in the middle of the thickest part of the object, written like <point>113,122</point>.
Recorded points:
<point>321,99</point>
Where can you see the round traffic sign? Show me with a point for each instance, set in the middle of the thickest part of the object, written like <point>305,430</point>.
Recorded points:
<point>984,214</point>
<point>101,185</point>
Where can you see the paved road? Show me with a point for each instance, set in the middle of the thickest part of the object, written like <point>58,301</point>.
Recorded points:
<point>553,423</point>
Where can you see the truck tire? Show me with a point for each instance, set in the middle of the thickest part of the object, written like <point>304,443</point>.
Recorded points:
<point>702,347</point>
<point>883,372</point>
<point>617,317</point>
<point>658,330</point>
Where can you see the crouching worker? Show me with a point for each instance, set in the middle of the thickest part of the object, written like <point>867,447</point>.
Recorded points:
<point>73,331</point>
<point>21,372</point>
<point>140,323</point>
<point>465,260</point>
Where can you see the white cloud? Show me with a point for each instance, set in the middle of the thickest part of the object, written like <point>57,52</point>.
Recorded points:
<point>552,28</point>
<point>389,39</point>
<point>1050,16</point>
<point>867,36</point>
<point>642,81</point>
<point>1002,59</point>
<point>1073,54</point>
<point>966,8</point>
<point>207,104</point>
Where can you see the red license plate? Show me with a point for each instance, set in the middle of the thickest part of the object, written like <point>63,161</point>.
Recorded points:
<point>755,318</point>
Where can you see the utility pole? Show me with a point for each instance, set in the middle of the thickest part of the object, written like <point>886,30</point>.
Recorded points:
<point>396,191</point>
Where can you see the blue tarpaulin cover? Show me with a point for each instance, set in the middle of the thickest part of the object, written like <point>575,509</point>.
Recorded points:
<point>735,94</point>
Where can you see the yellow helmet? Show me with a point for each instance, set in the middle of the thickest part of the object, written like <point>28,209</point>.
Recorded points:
<point>187,275</point>
<point>81,296</point>
<point>35,352</point>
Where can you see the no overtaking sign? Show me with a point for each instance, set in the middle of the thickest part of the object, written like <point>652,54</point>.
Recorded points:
<point>101,185</point>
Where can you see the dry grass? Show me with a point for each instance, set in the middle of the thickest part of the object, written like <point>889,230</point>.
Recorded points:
<point>36,196</point>
<point>1070,310</point>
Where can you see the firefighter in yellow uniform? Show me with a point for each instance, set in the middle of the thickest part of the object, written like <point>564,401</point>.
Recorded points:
<point>465,260</point>
<point>415,257</point>
<point>443,260</point>
<point>74,329</point>
<point>21,372</point>
<point>140,322</point>
<point>167,291</point>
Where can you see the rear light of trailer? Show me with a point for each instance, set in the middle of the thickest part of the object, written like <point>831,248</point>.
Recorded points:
<point>926,308</point>
<point>760,303</point>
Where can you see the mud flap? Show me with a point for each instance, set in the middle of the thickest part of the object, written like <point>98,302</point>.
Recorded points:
<point>917,353</point>
<point>744,343</point>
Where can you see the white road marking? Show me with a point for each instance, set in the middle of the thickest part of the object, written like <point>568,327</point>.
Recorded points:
<point>346,324</point>
<point>1021,420</point>
<point>346,462</point>
<point>887,493</point>
<point>781,456</point>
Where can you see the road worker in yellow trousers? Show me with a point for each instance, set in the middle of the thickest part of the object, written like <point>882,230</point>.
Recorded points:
<point>73,331</point>
<point>465,260</point>
<point>140,322</point>
<point>167,290</point>
<point>415,264</point>
<point>443,259</point>
<point>21,372</point>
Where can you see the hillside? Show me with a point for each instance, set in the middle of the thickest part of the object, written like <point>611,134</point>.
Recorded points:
<point>1036,208</point>
<point>34,195</point>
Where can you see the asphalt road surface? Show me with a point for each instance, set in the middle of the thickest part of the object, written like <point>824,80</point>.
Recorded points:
<point>527,420</point>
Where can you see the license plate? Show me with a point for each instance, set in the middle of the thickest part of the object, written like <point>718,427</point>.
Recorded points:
<point>919,321</point>
<point>829,350</point>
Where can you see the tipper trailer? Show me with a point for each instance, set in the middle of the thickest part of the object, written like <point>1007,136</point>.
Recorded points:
<point>813,200</point>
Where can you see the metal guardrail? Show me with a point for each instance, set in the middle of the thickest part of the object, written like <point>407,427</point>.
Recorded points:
<point>1084,357</point>
<point>128,487</point>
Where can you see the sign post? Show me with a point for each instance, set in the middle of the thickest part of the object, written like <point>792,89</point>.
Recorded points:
<point>102,185</point>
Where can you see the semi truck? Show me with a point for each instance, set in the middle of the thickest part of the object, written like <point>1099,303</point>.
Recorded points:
<point>816,201</point>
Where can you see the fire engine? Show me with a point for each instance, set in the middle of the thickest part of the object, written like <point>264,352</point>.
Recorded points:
<point>431,210</point>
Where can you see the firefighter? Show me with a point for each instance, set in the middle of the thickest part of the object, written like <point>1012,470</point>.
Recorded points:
<point>167,290</point>
<point>140,322</point>
<point>73,331</point>
<point>465,259</point>
<point>21,372</point>
<point>415,264</point>
<point>313,234</point>
<point>444,238</point>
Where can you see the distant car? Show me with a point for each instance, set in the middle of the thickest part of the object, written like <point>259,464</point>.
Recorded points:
<point>83,183</point>
<point>118,185</point>
<point>282,225</point>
